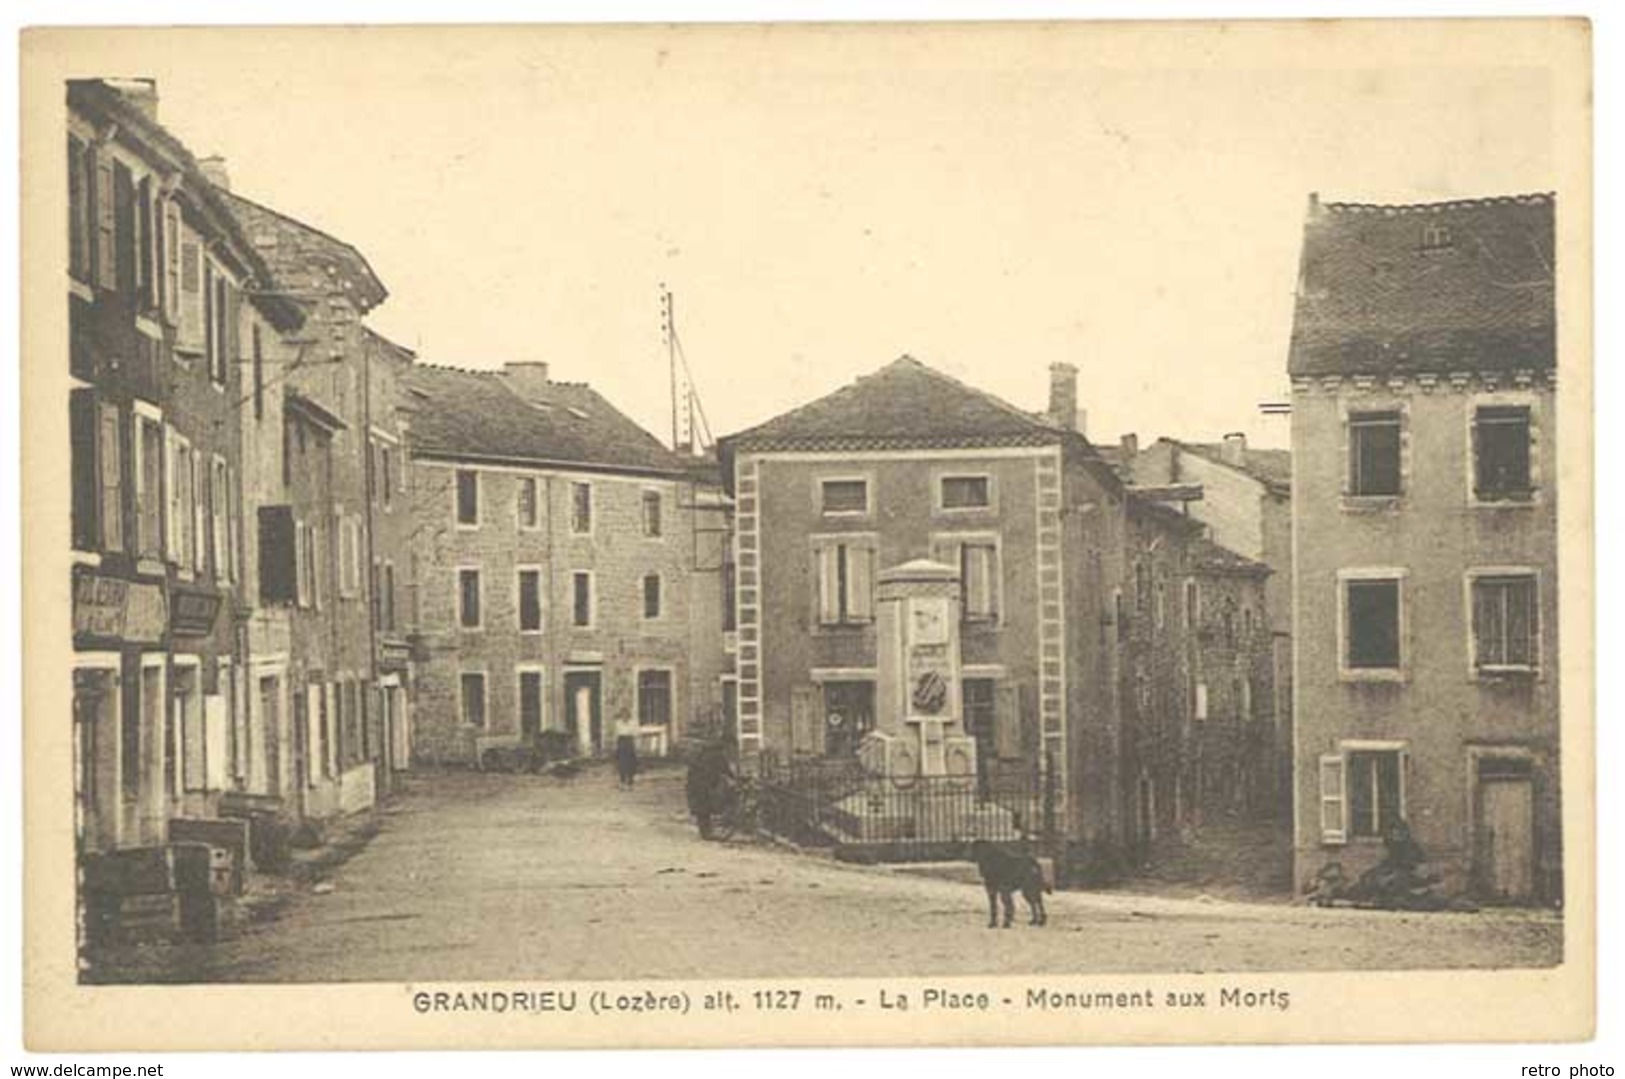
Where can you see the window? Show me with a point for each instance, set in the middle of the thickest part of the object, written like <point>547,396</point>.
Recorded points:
<point>1372,782</point>
<point>1142,587</point>
<point>468,497</point>
<point>1161,604</point>
<point>1374,454</point>
<point>149,250</point>
<point>849,714</point>
<point>468,598</point>
<point>527,511</point>
<point>844,572</point>
<point>473,698</point>
<point>1372,625</point>
<point>581,599</point>
<point>530,601</point>
<point>1199,704</point>
<point>1501,454</point>
<point>581,508</point>
<point>979,706</point>
<point>530,702</point>
<point>1193,605</point>
<point>86,467</point>
<point>965,492</point>
<point>1505,623</point>
<point>651,514</point>
<point>386,477</point>
<point>845,496</point>
<point>651,595</point>
<point>654,698</point>
<point>124,238</point>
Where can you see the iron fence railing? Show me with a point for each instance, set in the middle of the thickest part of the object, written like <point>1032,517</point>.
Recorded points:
<point>820,801</point>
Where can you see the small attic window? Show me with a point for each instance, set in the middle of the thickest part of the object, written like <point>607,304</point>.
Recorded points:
<point>1436,237</point>
<point>576,412</point>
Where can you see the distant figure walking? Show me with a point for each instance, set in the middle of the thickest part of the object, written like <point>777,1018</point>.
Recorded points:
<point>626,759</point>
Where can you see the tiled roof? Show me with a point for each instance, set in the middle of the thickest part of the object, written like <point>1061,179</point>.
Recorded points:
<point>1273,468</point>
<point>1213,558</point>
<point>1433,288</point>
<point>478,415</point>
<point>304,259</point>
<point>905,405</point>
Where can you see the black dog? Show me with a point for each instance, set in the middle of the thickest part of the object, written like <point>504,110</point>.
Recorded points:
<point>1003,874</point>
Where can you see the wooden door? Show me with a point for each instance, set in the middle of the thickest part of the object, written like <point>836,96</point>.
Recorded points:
<point>1506,814</point>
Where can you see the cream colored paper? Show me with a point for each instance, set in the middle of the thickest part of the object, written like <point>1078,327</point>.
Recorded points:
<point>823,67</point>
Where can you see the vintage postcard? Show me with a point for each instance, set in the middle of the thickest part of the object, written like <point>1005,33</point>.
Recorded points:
<point>808,534</point>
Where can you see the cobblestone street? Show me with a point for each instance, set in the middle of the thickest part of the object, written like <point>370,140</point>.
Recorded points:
<point>504,877</point>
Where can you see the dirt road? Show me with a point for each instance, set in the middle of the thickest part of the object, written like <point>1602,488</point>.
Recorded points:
<point>484,877</point>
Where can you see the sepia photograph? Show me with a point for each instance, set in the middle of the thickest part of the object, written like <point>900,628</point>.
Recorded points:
<point>1039,526</point>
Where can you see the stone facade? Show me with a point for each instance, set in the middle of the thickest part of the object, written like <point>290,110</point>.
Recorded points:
<point>577,600</point>
<point>1425,517</point>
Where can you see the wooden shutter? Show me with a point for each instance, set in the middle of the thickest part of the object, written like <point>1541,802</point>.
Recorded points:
<point>193,760</point>
<point>171,259</point>
<point>190,337</point>
<point>106,229</point>
<point>1333,800</point>
<point>216,735</point>
<point>200,516</point>
<point>826,583</point>
<point>806,721</point>
<point>860,583</point>
<point>111,452</point>
<point>1007,721</point>
<point>232,344</point>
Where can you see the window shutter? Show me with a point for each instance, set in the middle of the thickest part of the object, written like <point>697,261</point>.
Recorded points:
<point>1333,802</point>
<point>216,732</point>
<point>112,479</point>
<point>193,761</point>
<point>190,301</point>
<point>199,513</point>
<point>1007,721</point>
<point>106,235</point>
<point>806,723</point>
<point>232,345</point>
<point>860,563</point>
<point>824,571</point>
<point>146,252</point>
<point>125,250</point>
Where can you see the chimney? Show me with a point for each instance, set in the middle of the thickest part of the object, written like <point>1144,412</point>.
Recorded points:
<point>1235,449</point>
<point>214,170</point>
<point>142,93</point>
<point>1131,446</point>
<point>527,378</point>
<point>1063,397</point>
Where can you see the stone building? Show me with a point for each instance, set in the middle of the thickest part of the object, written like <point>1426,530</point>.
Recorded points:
<point>1243,497</point>
<point>562,560</point>
<point>158,275</point>
<point>326,434</point>
<point>908,464</point>
<point>1424,444</point>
